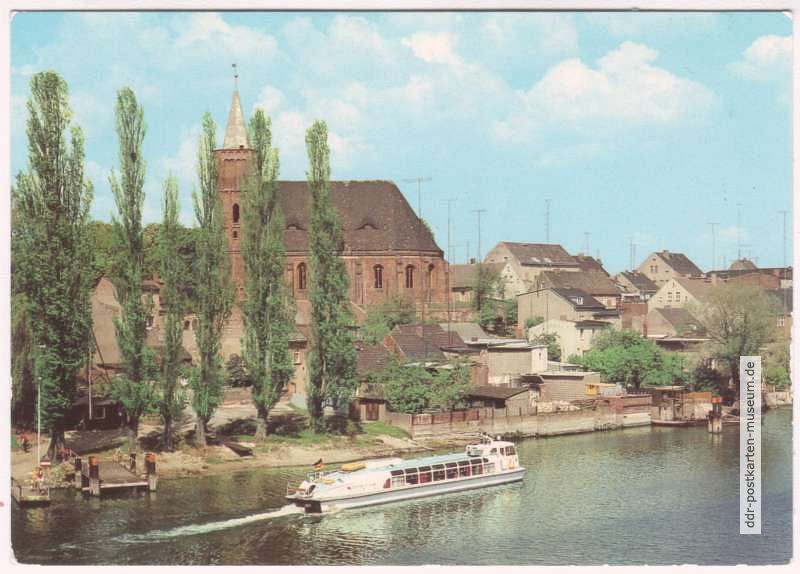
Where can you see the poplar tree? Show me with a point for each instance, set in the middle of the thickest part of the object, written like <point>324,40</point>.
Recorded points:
<point>133,387</point>
<point>173,272</point>
<point>268,307</point>
<point>213,290</point>
<point>333,355</point>
<point>52,253</point>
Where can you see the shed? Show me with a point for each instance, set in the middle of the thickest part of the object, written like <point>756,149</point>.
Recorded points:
<point>500,397</point>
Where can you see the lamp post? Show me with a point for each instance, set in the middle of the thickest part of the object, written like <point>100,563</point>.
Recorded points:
<point>39,412</point>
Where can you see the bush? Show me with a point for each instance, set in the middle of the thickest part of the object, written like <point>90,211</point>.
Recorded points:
<point>235,372</point>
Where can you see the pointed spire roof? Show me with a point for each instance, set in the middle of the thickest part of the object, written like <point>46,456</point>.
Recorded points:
<point>236,132</point>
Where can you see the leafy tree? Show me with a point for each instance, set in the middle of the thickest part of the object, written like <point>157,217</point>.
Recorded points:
<point>486,286</point>
<point>173,270</point>
<point>627,357</point>
<point>448,387</point>
<point>23,383</point>
<point>776,364</point>
<point>383,316</point>
<point>739,320</point>
<point>333,354</point>
<point>132,388</point>
<point>106,255</point>
<point>51,251</point>
<point>405,387</point>
<point>213,290</point>
<point>703,377</point>
<point>236,373</point>
<point>553,346</point>
<point>532,322</point>
<point>268,307</point>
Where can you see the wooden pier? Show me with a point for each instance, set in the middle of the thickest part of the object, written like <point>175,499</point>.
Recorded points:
<point>97,477</point>
<point>30,495</point>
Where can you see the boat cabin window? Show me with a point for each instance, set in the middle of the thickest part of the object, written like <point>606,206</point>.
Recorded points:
<point>463,468</point>
<point>477,468</point>
<point>424,474</point>
<point>388,483</point>
<point>438,472</point>
<point>411,476</point>
<point>398,481</point>
<point>452,470</point>
<point>493,451</point>
<point>489,467</point>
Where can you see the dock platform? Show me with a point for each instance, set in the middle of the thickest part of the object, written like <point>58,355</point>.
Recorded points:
<point>96,476</point>
<point>27,495</point>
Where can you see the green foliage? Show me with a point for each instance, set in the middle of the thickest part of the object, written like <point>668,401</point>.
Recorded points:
<point>488,284</point>
<point>553,346</point>
<point>702,377</point>
<point>172,271</point>
<point>628,358</point>
<point>333,355</point>
<point>268,306</point>
<point>776,364</point>
<point>740,320</point>
<point>213,290</point>
<point>382,317</point>
<point>132,388</point>
<point>51,249</point>
<point>411,388</point>
<point>531,322</point>
<point>236,373</point>
<point>23,383</point>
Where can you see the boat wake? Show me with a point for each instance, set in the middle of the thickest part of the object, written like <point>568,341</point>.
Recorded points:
<point>193,529</point>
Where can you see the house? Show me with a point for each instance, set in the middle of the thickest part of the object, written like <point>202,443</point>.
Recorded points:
<point>574,337</point>
<point>369,403</point>
<point>635,287</point>
<point>661,266</point>
<point>565,304</point>
<point>463,279</point>
<point>512,398</point>
<point>528,260</point>
<point>765,277</point>
<point>783,311</point>
<point>589,263</point>
<point>595,282</point>
<point>742,264</point>
<point>570,386</point>
<point>680,292</point>
<point>674,322</point>
<point>424,343</point>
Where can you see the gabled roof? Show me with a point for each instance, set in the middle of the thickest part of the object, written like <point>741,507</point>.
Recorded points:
<point>640,281</point>
<point>589,263</point>
<point>579,299</point>
<point>698,288</point>
<point>465,276</point>
<point>371,358</point>
<point>498,393</point>
<point>682,321</point>
<point>592,282</point>
<point>466,331</point>
<point>680,263</point>
<point>541,254</point>
<point>393,225</point>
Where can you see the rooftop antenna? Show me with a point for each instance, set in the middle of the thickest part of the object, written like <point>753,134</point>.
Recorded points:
<point>235,77</point>
<point>449,201</point>
<point>479,211</point>
<point>713,225</point>
<point>633,254</point>
<point>419,181</point>
<point>784,212</point>
<point>738,230</point>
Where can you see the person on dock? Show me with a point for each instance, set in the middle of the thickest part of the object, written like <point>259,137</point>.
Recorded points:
<point>23,441</point>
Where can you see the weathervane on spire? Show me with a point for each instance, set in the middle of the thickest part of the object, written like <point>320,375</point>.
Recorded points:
<point>235,76</point>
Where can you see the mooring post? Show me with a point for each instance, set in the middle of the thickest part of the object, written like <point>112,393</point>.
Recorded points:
<point>150,467</point>
<point>78,473</point>
<point>715,416</point>
<point>94,476</point>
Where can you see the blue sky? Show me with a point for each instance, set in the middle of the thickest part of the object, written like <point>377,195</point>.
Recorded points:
<point>643,126</point>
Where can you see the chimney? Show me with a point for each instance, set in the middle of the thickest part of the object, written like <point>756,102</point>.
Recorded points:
<point>472,261</point>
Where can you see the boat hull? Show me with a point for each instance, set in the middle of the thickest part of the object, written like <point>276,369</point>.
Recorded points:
<point>383,497</point>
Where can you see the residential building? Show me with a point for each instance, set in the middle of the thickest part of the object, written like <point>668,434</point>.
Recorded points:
<point>635,287</point>
<point>595,282</point>
<point>743,264</point>
<point>680,292</point>
<point>661,266</point>
<point>574,337</point>
<point>369,403</point>
<point>565,304</point>
<point>528,260</point>
<point>424,343</point>
<point>765,277</point>
<point>783,311</point>
<point>463,279</point>
<point>672,322</point>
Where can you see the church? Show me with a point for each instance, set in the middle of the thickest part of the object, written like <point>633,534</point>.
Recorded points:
<point>388,250</point>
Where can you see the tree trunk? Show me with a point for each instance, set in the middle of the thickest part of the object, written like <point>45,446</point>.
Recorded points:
<point>200,432</point>
<point>316,413</point>
<point>133,434</point>
<point>56,446</point>
<point>261,425</point>
<point>167,438</point>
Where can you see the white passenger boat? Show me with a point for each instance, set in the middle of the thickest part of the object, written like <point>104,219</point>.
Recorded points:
<point>487,463</point>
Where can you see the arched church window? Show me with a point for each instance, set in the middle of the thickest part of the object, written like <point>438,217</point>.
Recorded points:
<point>236,213</point>
<point>301,276</point>
<point>378,273</point>
<point>409,276</point>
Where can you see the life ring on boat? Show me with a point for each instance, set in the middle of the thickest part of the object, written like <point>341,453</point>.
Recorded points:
<point>511,466</point>
<point>327,481</point>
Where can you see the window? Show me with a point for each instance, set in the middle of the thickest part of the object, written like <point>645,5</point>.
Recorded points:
<point>438,472</point>
<point>378,273</point>
<point>150,321</point>
<point>235,234</point>
<point>301,276</point>
<point>398,479</point>
<point>477,468</point>
<point>186,325</point>
<point>452,470</point>
<point>677,296</point>
<point>236,213</point>
<point>409,277</point>
<point>99,413</point>
<point>463,468</point>
<point>411,476</point>
<point>669,296</point>
<point>781,321</point>
<point>297,357</point>
<point>424,474</point>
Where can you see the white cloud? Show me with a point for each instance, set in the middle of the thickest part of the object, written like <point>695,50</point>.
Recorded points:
<point>183,164</point>
<point>535,33</point>
<point>269,99</point>
<point>433,48</point>
<point>644,24</point>
<point>623,91</point>
<point>767,58</point>
<point>209,34</point>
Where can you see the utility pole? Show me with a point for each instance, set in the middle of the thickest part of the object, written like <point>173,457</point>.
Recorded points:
<point>713,225</point>
<point>738,230</point>
<point>419,181</point>
<point>479,211</point>
<point>632,254</point>
<point>547,221</point>
<point>448,201</point>
<point>422,271</point>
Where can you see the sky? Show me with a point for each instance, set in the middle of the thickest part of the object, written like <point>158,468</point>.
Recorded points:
<point>638,128</point>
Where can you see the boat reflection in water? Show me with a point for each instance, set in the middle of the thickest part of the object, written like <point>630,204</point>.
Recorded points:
<point>487,463</point>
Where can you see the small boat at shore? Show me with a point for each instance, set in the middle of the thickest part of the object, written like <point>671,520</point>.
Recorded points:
<point>487,463</point>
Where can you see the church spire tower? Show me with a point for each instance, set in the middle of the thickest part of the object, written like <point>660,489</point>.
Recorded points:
<point>236,132</point>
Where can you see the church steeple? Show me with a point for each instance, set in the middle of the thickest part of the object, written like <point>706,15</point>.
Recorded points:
<point>236,132</point>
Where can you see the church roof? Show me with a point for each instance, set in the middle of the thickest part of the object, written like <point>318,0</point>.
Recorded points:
<point>236,132</point>
<point>375,216</point>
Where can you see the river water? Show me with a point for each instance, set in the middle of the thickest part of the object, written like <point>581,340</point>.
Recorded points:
<point>638,496</point>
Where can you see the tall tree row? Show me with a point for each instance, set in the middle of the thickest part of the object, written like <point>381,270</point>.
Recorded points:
<point>133,387</point>
<point>51,250</point>
<point>173,273</point>
<point>213,291</point>
<point>333,355</point>
<point>268,307</point>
